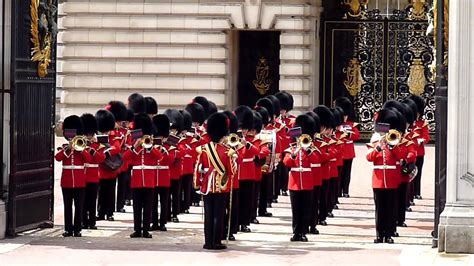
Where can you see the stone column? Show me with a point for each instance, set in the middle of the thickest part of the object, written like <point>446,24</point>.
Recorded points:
<point>456,229</point>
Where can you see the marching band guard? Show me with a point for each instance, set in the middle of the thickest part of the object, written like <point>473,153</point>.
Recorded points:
<point>112,164</point>
<point>411,135</point>
<point>336,162</point>
<point>123,178</point>
<point>300,181</point>
<point>352,134</point>
<point>198,116</point>
<point>92,169</point>
<point>143,157</point>
<point>137,103</point>
<point>176,126</point>
<point>422,138</point>
<point>246,169</point>
<point>215,169</point>
<point>73,156</point>
<point>327,121</point>
<point>161,125</point>
<point>188,149</point>
<point>287,119</point>
<point>384,153</point>
<point>280,133</point>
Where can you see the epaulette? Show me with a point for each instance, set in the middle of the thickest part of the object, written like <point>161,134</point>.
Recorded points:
<point>332,142</point>
<point>415,135</point>
<point>323,144</point>
<point>408,143</point>
<point>339,142</point>
<point>354,124</point>
<point>425,124</point>
<point>370,145</point>
<point>288,150</point>
<point>403,141</point>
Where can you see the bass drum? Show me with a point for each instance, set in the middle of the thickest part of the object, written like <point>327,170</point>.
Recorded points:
<point>269,138</point>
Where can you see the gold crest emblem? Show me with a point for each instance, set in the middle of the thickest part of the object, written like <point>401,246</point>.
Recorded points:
<point>261,82</point>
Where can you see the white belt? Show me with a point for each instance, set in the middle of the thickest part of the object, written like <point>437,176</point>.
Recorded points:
<point>188,156</point>
<point>162,167</point>
<point>73,167</point>
<point>315,165</point>
<point>333,160</point>
<point>91,165</point>
<point>349,142</point>
<point>301,169</point>
<point>386,167</point>
<point>144,167</point>
<point>247,160</point>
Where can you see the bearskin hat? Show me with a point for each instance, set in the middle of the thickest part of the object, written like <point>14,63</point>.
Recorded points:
<point>74,122</point>
<point>420,103</point>
<point>264,114</point>
<point>130,115</point>
<point>198,114</point>
<point>143,122</point>
<point>118,109</point>
<point>176,119</point>
<point>217,126</point>
<point>411,106</point>
<point>187,121</point>
<point>137,103</point>
<point>212,108</point>
<point>105,121</point>
<point>338,114</point>
<point>290,97</point>
<point>161,125</point>
<point>325,116</point>
<point>90,124</point>
<point>233,122</point>
<point>388,116</point>
<point>267,104</point>
<point>257,121</point>
<point>203,102</point>
<point>151,107</point>
<point>315,117</point>
<point>396,105</point>
<point>284,100</point>
<point>245,116</point>
<point>345,104</point>
<point>306,123</point>
<point>276,104</point>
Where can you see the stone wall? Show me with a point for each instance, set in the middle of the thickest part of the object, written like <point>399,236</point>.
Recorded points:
<point>175,50</point>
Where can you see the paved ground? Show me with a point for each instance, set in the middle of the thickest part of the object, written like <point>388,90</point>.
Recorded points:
<point>348,239</point>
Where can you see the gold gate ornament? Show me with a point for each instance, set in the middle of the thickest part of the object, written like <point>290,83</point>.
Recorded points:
<point>42,34</point>
<point>261,82</point>
<point>417,80</point>
<point>354,80</point>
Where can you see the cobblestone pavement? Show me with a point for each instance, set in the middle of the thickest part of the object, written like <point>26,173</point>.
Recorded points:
<point>348,239</point>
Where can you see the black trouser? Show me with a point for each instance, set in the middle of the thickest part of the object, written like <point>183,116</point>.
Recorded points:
<point>256,192</point>
<point>106,203</point>
<point>174,198</point>
<point>284,177</point>
<point>346,175</point>
<point>123,180</point>
<point>402,201</point>
<point>315,206</point>
<point>214,209</point>
<point>265,186</point>
<point>186,188</point>
<point>323,201</point>
<point>90,204</point>
<point>142,202</point>
<point>70,196</point>
<point>196,197</point>
<point>276,183</point>
<point>164,194</point>
<point>300,210</point>
<point>234,212</point>
<point>332,194</point>
<point>246,198</point>
<point>385,211</point>
<point>417,181</point>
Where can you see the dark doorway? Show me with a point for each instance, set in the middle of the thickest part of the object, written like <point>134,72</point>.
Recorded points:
<point>259,65</point>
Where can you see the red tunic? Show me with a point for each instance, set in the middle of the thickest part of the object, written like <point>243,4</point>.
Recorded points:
<point>386,174</point>
<point>143,163</point>
<point>316,168</point>
<point>421,136</point>
<point>205,176</point>
<point>115,142</point>
<point>263,152</point>
<point>73,173</point>
<point>92,168</point>
<point>126,143</point>
<point>349,151</point>
<point>162,172</point>
<point>246,169</point>
<point>188,149</point>
<point>300,176</point>
<point>176,163</point>
<point>409,149</point>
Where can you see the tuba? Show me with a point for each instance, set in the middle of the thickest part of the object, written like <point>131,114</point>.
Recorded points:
<point>79,143</point>
<point>393,137</point>
<point>147,142</point>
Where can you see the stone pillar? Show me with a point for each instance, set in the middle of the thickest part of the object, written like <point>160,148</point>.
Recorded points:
<point>456,229</point>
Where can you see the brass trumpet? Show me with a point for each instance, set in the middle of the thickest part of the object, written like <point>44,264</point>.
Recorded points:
<point>79,143</point>
<point>393,137</point>
<point>147,141</point>
<point>233,140</point>
<point>305,141</point>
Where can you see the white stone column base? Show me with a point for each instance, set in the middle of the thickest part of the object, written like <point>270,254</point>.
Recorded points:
<point>456,229</point>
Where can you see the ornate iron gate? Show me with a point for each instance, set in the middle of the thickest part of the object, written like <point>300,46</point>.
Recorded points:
<point>374,60</point>
<point>32,108</point>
